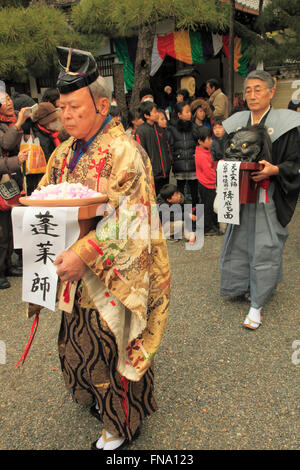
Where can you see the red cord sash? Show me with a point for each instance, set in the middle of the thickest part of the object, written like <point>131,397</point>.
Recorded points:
<point>264,184</point>
<point>33,331</point>
<point>124,399</point>
<point>66,293</point>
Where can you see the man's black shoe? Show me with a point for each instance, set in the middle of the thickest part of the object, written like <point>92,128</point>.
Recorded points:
<point>4,283</point>
<point>14,272</point>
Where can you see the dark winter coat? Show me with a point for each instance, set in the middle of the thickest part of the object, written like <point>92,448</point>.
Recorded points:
<point>183,145</point>
<point>217,148</point>
<point>9,165</point>
<point>154,140</point>
<point>10,139</point>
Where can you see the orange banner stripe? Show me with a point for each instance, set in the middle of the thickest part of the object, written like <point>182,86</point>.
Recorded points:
<point>182,46</point>
<point>237,52</point>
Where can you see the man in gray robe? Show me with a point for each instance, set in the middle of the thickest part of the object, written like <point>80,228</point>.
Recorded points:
<point>251,258</point>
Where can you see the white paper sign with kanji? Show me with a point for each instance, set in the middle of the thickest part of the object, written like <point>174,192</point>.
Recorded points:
<point>228,192</point>
<point>45,233</point>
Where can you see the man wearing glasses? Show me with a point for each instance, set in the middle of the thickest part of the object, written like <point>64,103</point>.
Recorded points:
<point>251,258</point>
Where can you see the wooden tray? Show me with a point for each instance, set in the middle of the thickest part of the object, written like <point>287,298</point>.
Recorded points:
<point>87,214</point>
<point>244,165</point>
<point>248,188</point>
<point>26,201</point>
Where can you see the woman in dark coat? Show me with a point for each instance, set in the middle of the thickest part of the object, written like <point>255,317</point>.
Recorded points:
<point>10,138</point>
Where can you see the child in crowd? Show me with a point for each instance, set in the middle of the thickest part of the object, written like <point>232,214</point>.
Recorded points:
<point>162,119</point>
<point>206,176</point>
<point>134,121</point>
<point>152,138</point>
<point>217,153</point>
<point>201,112</point>
<point>176,224</point>
<point>217,148</point>
<point>116,114</point>
<point>163,124</point>
<point>183,145</point>
<point>182,95</point>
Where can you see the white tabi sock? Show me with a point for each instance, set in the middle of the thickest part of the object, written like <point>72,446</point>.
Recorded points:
<point>254,315</point>
<point>111,445</point>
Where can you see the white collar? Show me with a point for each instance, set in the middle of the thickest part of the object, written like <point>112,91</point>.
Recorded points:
<point>261,116</point>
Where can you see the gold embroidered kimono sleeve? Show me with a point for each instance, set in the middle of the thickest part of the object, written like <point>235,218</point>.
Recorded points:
<point>128,277</point>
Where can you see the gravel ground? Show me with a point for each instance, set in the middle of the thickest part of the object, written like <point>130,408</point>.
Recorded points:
<point>218,385</point>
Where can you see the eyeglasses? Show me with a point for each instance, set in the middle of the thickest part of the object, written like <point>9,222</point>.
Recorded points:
<point>257,90</point>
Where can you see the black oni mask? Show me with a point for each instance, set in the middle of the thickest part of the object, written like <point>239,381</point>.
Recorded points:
<point>249,144</point>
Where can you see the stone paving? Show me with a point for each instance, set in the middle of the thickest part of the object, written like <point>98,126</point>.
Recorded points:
<point>218,385</point>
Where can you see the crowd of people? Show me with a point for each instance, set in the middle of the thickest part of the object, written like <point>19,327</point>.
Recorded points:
<point>121,304</point>
<point>168,132</point>
<point>20,122</point>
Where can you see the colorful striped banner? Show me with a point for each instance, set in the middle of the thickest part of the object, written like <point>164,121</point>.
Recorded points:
<point>181,45</point>
<point>190,47</point>
<point>241,60</point>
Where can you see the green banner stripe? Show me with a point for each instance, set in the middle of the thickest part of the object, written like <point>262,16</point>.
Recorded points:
<point>196,47</point>
<point>123,56</point>
<point>244,60</point>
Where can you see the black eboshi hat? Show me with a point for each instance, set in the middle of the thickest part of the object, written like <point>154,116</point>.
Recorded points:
<point>78,69</point>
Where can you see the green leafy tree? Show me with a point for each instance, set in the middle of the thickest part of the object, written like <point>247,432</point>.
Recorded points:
<point>139,17</point>
<point>280,23</point>
<point>14,3</point>
<point>28,38</point>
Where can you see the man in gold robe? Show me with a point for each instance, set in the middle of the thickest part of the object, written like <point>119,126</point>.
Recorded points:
<point>107,343</point>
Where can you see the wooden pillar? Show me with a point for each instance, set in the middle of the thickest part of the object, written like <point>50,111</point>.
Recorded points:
<point>231,57</point>
<point>261,5</point>
<point>118,77</point>
<point>33,87</point>
<point>142,67</point>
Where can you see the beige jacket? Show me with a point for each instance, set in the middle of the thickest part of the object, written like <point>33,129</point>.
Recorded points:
<point>219,101</point>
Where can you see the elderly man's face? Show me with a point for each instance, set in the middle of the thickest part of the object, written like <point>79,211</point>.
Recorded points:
<point>78,113</point>
<point>257,95</point>
<point>210,90</point>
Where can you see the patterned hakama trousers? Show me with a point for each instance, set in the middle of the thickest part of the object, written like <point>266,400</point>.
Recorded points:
<point>251,258</point>
<point>88,355</point>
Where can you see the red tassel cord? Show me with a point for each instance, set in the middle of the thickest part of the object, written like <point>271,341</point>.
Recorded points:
<point>124,399</point>
<point>264,184</point>
<point>66,293</point>
<point>33,331</point>
<point>62,170</point>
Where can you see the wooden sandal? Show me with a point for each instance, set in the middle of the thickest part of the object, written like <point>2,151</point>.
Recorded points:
<point>108,439</point>
<point>248,325</point>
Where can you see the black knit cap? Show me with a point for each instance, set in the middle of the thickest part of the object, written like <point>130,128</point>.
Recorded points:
<point>78,69</point>
<point>145,92</point>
